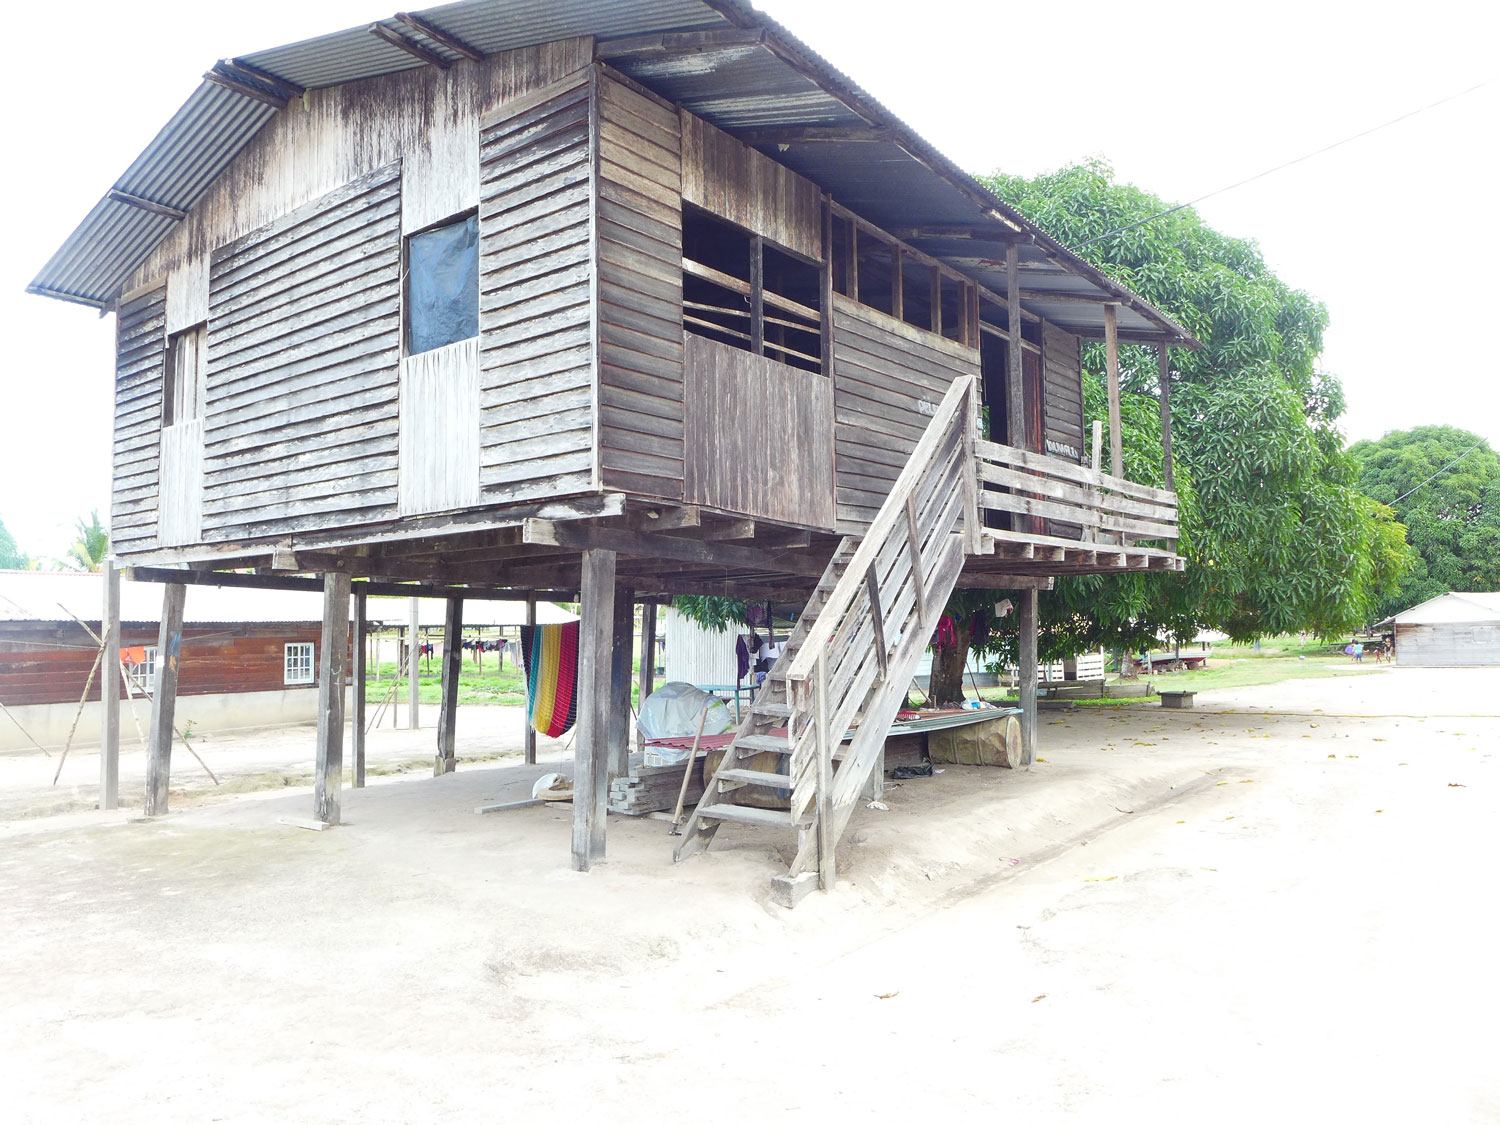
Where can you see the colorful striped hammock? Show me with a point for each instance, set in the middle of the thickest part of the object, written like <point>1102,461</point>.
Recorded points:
<point>550,653</point>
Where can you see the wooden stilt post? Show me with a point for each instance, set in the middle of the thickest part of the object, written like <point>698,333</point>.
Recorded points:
<point>1015,385</point>
<point>529,736</point>
<point>109,691</point>
<point>647,677</point>
<point>591,752</point>
<point>1026,618</point>
<point>619,682</point>
<point>333,661</point>
<point>164,698</point>
<point>453,666</point>
<point>1112,373</point>
<point>1166,414</point>
<point>413,663</point>
<point>361,671</point>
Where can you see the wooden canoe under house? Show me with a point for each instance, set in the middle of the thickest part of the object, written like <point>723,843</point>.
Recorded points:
<point>612,302</point>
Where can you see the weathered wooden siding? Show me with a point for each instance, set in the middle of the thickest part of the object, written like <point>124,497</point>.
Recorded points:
<point>1448,645</point>
<point>640,293</point>
<point>750,189</point>
<point>425,117</point>
<point>536,359</point>
<point>304,337</point>
<point>50,663</point>
<point>1062,394</point>
<point>181,502</point>
<point>440,429</point>
<point>140,359</point>
<point>888,377</point>
<point>760,436</point>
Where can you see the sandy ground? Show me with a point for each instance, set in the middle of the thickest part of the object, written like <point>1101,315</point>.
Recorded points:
<point>1226,915</point>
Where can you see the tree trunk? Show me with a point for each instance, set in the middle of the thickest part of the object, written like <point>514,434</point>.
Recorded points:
<point>948,662</point>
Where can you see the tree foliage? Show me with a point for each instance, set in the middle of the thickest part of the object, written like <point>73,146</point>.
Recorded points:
<point>1277,534</point>
<point>91,547</point>
<point>1451,512</point>
<point>11,557</point>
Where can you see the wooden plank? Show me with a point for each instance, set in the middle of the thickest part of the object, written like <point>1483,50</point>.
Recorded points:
<point>413,664</point>
<point>357,713</point>
<point>872,592</point>
<point>528,740</point>
<point>1164,382</point>
<point>1027,622</point>
<point>164,699</point>
<point>328,767</point>
<point>1112,376</point>
<point>445,760</point>
<point>591,752</point>
<point>109,690</point>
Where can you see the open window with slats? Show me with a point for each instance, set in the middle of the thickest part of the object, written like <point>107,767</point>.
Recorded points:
<point>743,291</point>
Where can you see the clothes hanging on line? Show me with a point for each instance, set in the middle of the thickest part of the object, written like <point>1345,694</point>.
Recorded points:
<point>550,656</point>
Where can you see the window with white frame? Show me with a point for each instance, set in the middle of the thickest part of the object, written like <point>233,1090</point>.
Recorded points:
<point>142,672</point>
<point>299,663</point>
<point>186,375</point>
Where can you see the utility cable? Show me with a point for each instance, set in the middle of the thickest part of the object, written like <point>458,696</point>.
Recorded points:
<point>1279,167</point>
<point>1439,473</point>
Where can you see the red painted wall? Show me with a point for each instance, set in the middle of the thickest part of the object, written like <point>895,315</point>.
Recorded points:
<point>50,663</point>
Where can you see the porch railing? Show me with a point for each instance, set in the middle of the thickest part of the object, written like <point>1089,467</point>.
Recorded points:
<point>1092,507</point>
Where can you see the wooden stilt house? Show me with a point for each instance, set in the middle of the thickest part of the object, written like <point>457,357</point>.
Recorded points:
<point>611,300</point>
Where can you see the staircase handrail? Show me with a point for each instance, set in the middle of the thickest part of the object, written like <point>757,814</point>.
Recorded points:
<point>960,405</point>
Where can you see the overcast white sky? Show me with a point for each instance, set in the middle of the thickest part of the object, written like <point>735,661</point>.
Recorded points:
<point>1396,233</point>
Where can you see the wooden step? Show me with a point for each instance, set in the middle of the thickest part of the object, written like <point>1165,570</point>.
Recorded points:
<point>761,743</point>
<point>744,814</point>
<point>771,710</point>
<point>756,777</point>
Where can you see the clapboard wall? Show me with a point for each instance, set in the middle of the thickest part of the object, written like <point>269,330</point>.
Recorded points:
<point>140,358</point>
<point>888,377</point>
<point>1062,394</point>
<point>535,321</point>
<point>640,293</point>
<point>1448,644</point>
<point>304,337</point>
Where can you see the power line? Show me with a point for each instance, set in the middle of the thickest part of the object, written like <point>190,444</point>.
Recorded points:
<point>1287,164</point>
<point>1440,472</point>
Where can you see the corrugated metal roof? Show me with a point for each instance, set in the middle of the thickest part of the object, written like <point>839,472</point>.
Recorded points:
<point>1456,607</point>
<point>900,180</point>
<point>44,597</point>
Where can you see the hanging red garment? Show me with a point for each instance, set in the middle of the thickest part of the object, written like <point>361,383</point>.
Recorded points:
<point>947,632</point>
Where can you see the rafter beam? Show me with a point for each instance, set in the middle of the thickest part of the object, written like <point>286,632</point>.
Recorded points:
<point>963,232</point>
<point>670,547</point>
<point>438,35</point>
<point>816,134</point>
<point>143,204</point>
<point>410,46</point>
<point>680,42</point>
<point>244,88</point>
<point>283,86</point>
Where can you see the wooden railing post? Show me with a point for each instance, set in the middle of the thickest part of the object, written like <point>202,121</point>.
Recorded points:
<point>872,588</point>
<point>914,547</point>
<point>969,418</point>
<point>826,870</point>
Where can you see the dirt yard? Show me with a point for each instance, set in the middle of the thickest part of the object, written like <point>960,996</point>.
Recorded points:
<point>1274,907</point>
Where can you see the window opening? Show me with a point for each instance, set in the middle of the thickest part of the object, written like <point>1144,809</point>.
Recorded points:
<point>442,285</point>
<point>186,374</point>
<point>142,671</point>
<point>741,291</point>
<point>299,663</point>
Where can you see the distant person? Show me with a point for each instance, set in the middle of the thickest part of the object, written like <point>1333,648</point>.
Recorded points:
<point>1349,650</point>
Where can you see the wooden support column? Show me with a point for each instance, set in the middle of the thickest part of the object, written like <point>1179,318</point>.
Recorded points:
<point>935,300</point>
<point>1112,373</point>
<point>898,287</point>
<point>1015,385</point>
<point>591,751</point>
<point>109,690</point>
<point>328,768</point>
<point>619,682</point>
<point>825,320</point>
<point>647,680</point>
<point>164,698</point>
<point>413,663</point>
<point>453,666</point>
<point>1165,383</point>
<point>528,738</point>
<point>361,671</point>
<point>1026,619</point>
<point>757,295</point>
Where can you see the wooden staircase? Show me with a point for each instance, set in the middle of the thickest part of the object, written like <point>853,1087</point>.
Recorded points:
<point>851,656</point>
